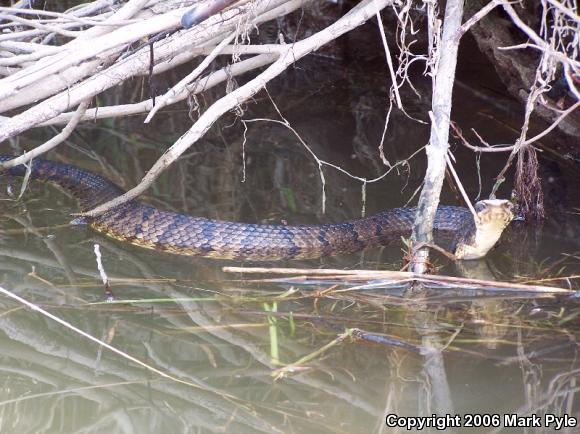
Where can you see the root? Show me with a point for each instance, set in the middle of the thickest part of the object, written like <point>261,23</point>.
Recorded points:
<point>528,191</point>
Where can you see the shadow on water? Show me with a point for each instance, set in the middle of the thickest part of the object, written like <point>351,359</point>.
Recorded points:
<point>448,352</point>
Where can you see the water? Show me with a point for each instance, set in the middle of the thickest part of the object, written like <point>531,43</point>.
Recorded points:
<point>214,334</point>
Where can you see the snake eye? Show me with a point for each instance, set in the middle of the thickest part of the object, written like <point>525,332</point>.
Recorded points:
<point>508,206</point>
<point>480,206</point>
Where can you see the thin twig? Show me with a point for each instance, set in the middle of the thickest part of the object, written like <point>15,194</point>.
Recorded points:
<point>389,60</point>
<point>460,186</point>
<point>35,24</point>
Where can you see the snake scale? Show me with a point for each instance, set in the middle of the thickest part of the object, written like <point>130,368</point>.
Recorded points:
<point>146,226</point>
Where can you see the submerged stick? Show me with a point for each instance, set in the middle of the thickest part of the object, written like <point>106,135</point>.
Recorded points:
<point>400,276</point>
<point>295,367</point>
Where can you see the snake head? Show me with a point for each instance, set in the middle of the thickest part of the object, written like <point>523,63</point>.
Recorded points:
<point>494,212</point>
<point>492,217</point>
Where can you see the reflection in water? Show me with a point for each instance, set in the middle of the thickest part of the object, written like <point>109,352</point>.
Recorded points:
<point>467,354</point>
<point>453,352</point>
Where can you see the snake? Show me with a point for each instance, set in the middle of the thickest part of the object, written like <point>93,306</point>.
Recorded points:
<point>471,235</point>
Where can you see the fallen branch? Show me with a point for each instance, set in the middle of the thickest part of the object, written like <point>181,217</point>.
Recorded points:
<point>80,81</point>
<point>201,85</point>
<point>287,55</point>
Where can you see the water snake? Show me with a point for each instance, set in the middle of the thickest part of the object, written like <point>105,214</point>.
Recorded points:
<point>149,227</point>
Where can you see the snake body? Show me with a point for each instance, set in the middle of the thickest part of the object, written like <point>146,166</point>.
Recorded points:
<point>146,226</point>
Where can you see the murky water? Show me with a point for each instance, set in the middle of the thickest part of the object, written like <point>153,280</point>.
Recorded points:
<point>221,339</point>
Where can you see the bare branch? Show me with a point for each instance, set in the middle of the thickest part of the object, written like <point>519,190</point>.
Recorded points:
<point>55,141</point>
<point>554,124</point>
<point>66,17</point>
<point>480,149</point>
<point>477,17</point>
<point>444,76</point>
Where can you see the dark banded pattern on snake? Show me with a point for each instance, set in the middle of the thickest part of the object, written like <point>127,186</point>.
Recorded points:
<point>145,226</point>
